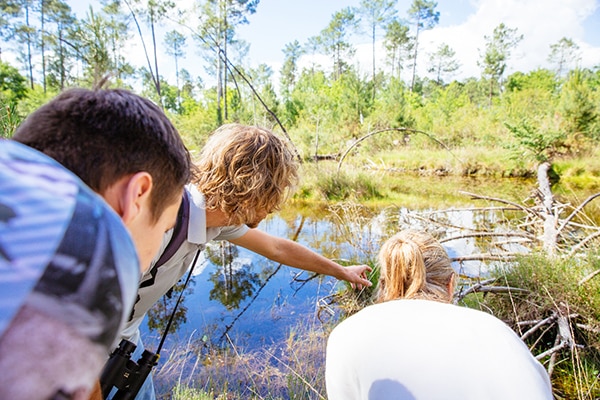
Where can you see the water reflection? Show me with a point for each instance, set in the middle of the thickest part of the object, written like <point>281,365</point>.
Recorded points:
<point>233,280</point>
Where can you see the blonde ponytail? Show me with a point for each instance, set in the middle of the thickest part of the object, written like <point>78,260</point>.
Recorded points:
<point>414,265</point>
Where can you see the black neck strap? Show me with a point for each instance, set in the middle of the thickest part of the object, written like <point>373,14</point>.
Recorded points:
<point>164,336</point>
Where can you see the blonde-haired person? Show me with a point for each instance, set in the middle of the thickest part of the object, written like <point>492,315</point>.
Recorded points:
<point>243,174</point>
<point>415,344</point>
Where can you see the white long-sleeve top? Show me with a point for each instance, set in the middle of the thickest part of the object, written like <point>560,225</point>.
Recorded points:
<point>426,350</point>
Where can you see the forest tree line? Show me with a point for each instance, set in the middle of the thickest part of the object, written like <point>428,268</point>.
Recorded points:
<point>547,112</point>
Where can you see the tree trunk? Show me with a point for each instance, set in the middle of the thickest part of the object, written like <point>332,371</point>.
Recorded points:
<point>550,232</point>
<point>42,44</point>
<point>414,71</point>
<point>29,56</point>
<point>157,82</point>
<point>373,73</point>
<point>225,39</point>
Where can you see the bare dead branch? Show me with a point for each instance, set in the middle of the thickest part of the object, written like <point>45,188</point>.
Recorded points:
<point>473,209</point>
<point>582,226</point>
<point>474,288</point>
<point>528,210</point>
<point>528,322</point>
<point>488,234</point>
<point>368,135</point>
<point>501,289</point>
<point>504,242</point>
<point>553,350</point>
<point>579,245</point>
<point>550,320</point>
<point>588,277</point>
<point>576,211</point>
<point>155,79</point>
<point>564,330</point>
<point>588,328</point>
<point>215,47</point>
<point>486,257</point>
<point>552,361</point>
<point>483,288</point>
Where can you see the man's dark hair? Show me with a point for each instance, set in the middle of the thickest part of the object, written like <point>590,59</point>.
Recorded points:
<point>102,135</point>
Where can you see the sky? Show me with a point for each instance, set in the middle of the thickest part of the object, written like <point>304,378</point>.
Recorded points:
<point>463,25</point>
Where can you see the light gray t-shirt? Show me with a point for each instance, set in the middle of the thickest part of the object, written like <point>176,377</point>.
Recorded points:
<point>153,287</point>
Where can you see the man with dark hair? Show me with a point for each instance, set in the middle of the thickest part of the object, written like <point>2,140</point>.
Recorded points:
<point>124,148</point>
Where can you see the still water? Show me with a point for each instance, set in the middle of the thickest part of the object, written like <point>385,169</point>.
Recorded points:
<point>236,296</point>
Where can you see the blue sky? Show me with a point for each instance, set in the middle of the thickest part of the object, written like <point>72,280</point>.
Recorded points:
<point>463,25</point>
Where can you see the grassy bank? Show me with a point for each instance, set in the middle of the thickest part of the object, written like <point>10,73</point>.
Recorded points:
<point>432,178</point>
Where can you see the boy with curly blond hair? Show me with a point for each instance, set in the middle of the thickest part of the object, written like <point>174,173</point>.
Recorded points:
<point>244,173</point>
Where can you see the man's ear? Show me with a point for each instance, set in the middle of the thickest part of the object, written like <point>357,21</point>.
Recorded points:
<point>135,195</point>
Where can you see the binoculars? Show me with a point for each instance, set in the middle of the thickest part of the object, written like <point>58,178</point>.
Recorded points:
<point>124,374</point>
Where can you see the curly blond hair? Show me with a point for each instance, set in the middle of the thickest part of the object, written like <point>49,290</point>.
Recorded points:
<point>414,265</point>
<point>243,170</point>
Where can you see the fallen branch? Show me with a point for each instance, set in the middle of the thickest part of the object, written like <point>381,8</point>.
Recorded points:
<point>402,129</point>
<point>487,234</point>
<point>527,210</point>
<point>551,351</point>
<point>486,257</point>
<point>472,289</point>
<point>579,245</point>
<point>514,241</point>
<point>501,289</point>
<point>588,277</point>
<point>472,209</point>
<point>482,288</point>
<point>588,328</point>
<point>537,326</point>
<point>576,211</point>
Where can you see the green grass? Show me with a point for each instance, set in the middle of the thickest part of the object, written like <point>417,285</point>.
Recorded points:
<point>290,370</point>
<point>377,188</point>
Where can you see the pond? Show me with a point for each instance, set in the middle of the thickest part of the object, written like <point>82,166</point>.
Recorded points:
<point>238,297</point>
<point>255,300</point>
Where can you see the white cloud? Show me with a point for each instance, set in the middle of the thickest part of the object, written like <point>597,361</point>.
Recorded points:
<point>541,22</point>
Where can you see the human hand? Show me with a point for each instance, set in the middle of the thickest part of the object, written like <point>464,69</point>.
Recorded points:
<point>357,276</point>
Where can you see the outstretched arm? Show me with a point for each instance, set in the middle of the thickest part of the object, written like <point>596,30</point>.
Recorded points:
<point>290,253</point>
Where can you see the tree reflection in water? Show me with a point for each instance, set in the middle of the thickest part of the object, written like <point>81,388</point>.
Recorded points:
<point>232,282</point>
<point>233,278</point>
<point>159,314</point>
